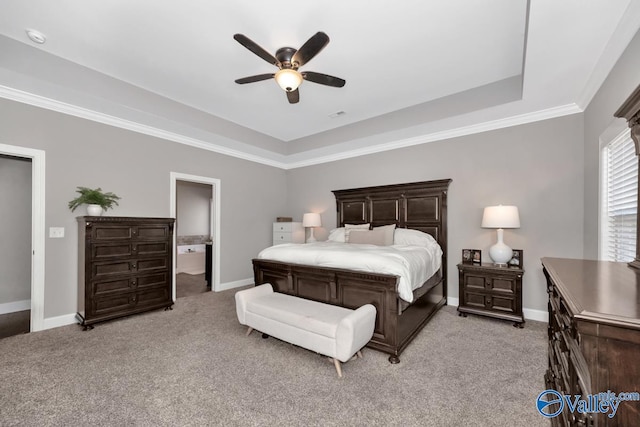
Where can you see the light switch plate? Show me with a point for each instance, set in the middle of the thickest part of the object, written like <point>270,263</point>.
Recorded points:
<point>56,232</point>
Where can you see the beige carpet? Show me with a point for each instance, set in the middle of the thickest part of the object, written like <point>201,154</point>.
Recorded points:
<point>194,366</point>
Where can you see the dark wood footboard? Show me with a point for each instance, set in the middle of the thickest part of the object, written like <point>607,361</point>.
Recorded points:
<point>394,329</point>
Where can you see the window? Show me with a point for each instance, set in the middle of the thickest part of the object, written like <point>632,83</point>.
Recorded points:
<point>619,199</point>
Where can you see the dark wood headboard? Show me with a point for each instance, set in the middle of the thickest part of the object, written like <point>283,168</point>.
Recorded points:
<point>417,205</point>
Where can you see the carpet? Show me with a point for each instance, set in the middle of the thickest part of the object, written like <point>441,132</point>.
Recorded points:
<point>194,366</point>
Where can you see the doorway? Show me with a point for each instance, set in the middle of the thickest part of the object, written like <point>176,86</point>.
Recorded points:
<point>34,228</point>
<point>195,203</point>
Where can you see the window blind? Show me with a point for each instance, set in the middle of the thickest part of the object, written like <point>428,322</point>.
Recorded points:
<point>621,199</point>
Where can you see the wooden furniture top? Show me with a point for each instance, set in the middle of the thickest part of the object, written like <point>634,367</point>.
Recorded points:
<point>602,291</point>
<point>489,266</point>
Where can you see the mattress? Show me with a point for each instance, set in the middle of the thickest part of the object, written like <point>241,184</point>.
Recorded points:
<point>412,264</point>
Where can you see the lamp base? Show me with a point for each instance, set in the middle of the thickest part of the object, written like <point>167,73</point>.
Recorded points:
<point>500,254</point>
<point>311,238</point>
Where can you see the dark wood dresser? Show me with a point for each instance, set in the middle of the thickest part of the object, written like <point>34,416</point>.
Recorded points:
<point>124,266</point>
<point>594,335</point>
<point>490,290</point>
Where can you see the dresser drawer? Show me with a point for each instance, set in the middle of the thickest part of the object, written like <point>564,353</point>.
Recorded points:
<point>107,250</point>
<point>286,227</point>
<point>107,269</point>
<point>127,302</point>
<point>129,283</point>
<point>282,238</point>
<point>114,232</point>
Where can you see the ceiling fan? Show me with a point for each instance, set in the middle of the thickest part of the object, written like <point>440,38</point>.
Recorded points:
<point>288,60</point>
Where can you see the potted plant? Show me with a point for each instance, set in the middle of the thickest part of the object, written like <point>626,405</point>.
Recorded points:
<point>95,199</point>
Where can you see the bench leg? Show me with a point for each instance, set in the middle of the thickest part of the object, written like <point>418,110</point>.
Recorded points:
<point>336,362</point>
<point>359,354</point>
<point>249,330</point>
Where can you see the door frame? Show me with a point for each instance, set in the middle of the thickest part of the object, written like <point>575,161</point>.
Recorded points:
<point>215,222</point>
<point>37,228</point>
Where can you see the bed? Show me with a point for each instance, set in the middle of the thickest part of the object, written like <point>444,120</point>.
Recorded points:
<point>419,206</point>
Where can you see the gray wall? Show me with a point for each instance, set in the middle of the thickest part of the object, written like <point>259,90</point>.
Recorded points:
<point>136,167</point>
<point>194,208</point>
<point>15,229</point>
<point>537,167</point>
<point>600,123</point>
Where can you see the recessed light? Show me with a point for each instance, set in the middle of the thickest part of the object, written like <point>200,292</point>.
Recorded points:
<point>337,114</point>
<point>36,36</point>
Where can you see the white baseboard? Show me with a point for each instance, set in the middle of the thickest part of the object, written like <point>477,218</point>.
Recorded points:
<point>538,315</point>
<point>529,313</point>
<point>64,320</point>
<point>12,307</point>
<point>236,284</point>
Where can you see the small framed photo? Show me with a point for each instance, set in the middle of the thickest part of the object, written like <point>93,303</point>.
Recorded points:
<point>517,260</point>
<point>471,256</point>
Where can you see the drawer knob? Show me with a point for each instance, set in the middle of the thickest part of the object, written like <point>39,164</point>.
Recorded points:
<point>133,266</point>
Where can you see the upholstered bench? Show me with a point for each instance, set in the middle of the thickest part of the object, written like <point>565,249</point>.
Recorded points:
<point>333,331</point>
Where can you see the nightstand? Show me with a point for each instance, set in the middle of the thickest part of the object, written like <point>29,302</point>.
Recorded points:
<point>491,291</point>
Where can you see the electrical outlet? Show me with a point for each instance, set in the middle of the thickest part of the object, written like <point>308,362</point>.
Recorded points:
<point>56,232</point>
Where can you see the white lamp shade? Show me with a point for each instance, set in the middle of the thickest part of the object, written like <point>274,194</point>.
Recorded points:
<point>501,217</point>
<point>288,79</point>
<point>311,220</point>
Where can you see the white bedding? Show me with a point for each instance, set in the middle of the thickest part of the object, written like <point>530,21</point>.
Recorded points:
<point>414,264</point>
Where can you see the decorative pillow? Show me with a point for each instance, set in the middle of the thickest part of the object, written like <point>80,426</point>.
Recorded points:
<point>406,236</point>
<point>369,237</point>
<point>388,233</point>
<point>349,227</point>
<point>337,235</point>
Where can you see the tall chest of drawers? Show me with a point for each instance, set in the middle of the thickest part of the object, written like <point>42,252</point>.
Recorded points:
<point>594,336</point>
<point>124,266</point>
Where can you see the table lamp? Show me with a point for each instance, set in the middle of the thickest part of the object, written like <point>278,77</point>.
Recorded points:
<point>500,217</point>
<point>311,220</point>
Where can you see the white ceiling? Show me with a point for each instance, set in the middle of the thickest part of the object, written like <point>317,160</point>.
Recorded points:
<point>416,71</point>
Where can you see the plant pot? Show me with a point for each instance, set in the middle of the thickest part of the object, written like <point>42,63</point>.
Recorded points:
<point>94,210</point>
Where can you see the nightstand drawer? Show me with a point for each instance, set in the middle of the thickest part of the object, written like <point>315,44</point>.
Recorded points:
<point>489,302</point>
<point>498,284</point>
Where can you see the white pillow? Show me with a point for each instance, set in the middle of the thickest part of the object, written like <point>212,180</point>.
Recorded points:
<point>407,236</point>
<point>337,235</point>
<point>349,227</point>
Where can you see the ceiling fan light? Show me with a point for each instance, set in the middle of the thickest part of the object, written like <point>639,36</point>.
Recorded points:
<point>288,79</point>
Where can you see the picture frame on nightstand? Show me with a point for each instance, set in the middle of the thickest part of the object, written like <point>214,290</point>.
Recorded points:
<point>471,256</point>
<point>517,260</point>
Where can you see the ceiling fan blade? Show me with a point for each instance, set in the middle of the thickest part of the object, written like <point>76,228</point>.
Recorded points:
<point>311,48</point>
<point>253,47</point>
<point>293,96</point>
<point>323,79</point>
<point>252,79</point>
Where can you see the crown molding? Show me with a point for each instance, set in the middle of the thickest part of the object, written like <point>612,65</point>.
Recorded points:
<point>84,113</point>
<point>73,110</point>
<point>535,116</point>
